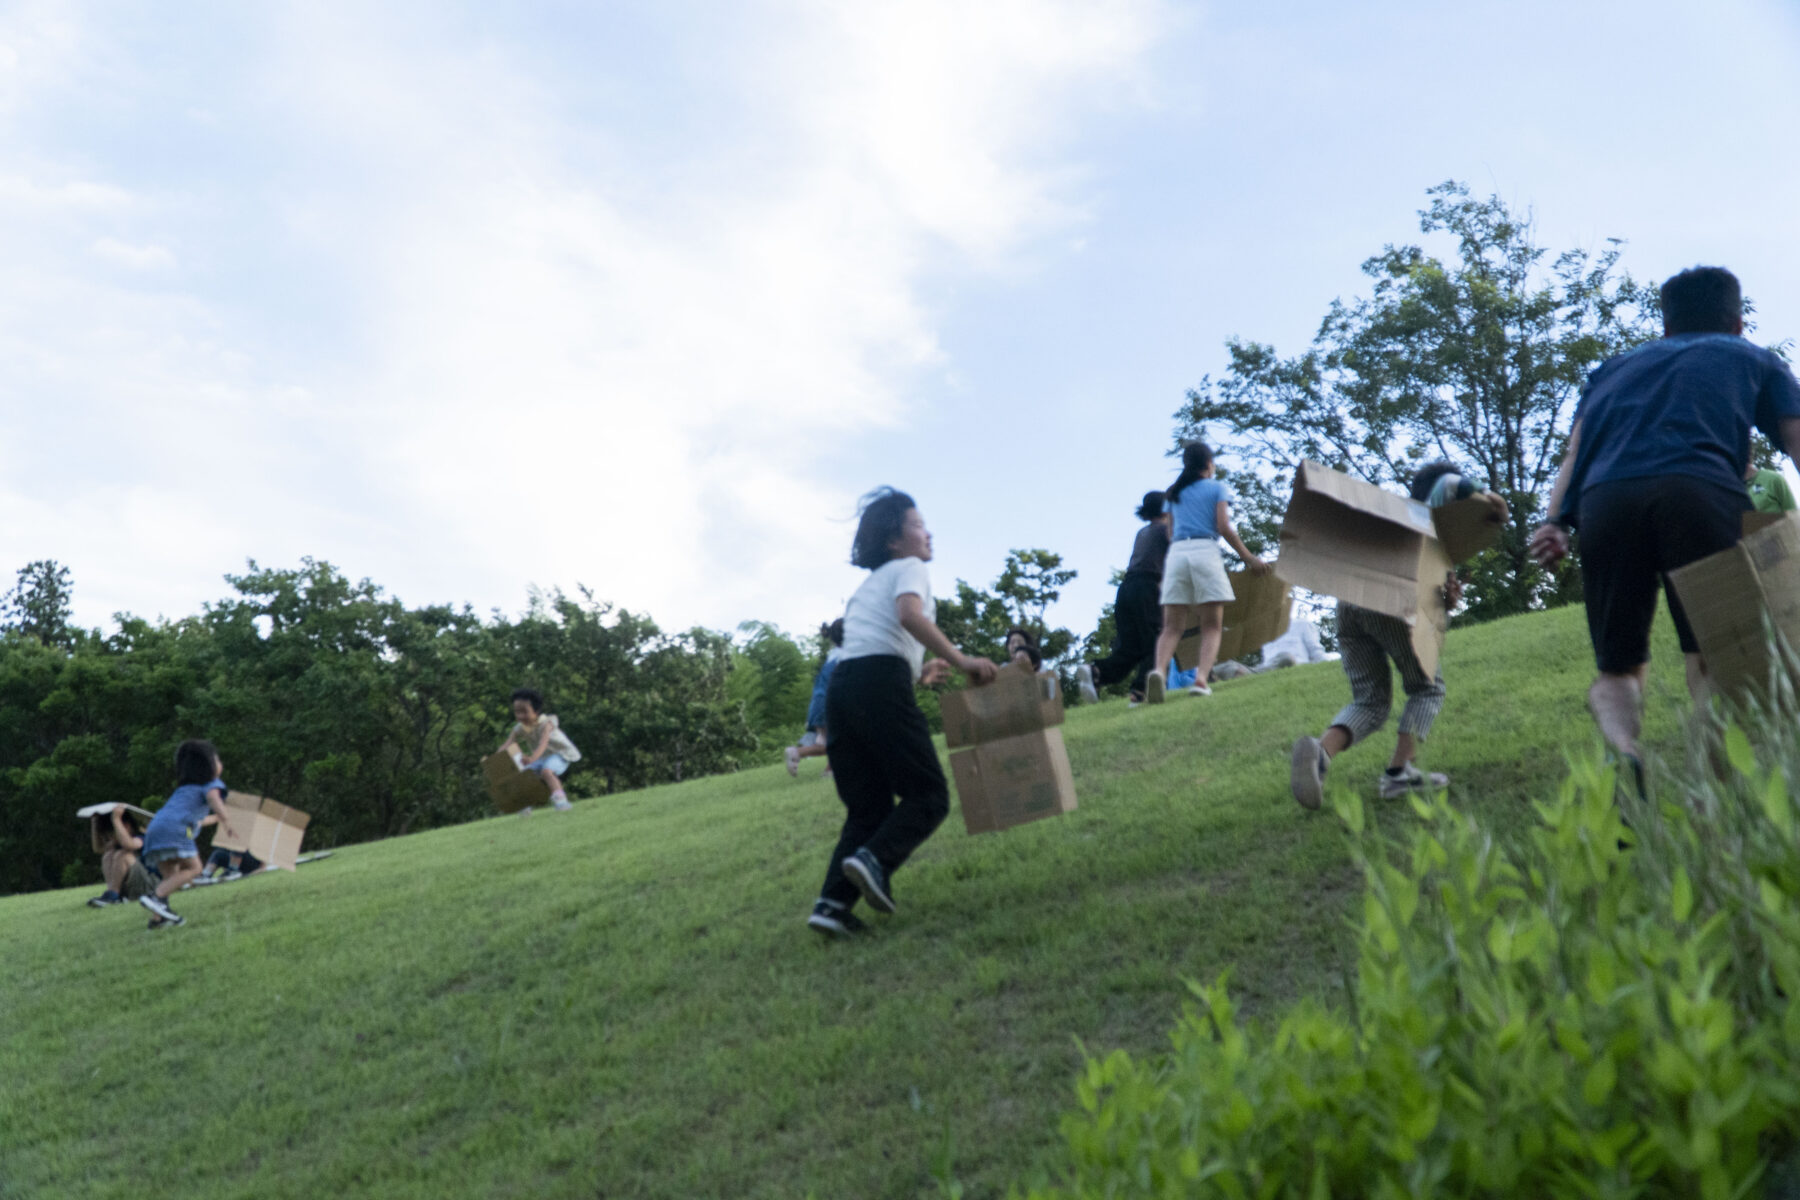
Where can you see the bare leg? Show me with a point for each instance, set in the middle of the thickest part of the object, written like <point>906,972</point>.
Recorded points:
<point>1617,702</point>
<point>1212,629</point>
<point>176,873</point>
<point>1176,619</point>
<point>557,799</point>
<point>1335,741</point>
<point>816,750</point>
<point>1406,747</point>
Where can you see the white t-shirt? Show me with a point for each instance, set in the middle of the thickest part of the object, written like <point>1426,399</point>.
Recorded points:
<point>871,623</point>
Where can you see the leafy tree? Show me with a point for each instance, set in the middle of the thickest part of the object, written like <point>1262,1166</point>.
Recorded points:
<point>41,603</point>
<point>1479,359</point>
<point>772,677</point>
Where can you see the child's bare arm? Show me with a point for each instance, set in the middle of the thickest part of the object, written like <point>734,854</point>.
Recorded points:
<point>1222,519</point>
<point>543,741</point>
<point>215,800</point>
<point>911,611</point>
<point>122,834</point>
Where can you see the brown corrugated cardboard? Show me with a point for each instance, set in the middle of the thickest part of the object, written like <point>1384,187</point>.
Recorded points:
<point>1007,751</point>
<point>270,830</point>
<point>511,788</point>
<point>1257,615</point>
<point>1350,539</point>
<point>1730,598</point>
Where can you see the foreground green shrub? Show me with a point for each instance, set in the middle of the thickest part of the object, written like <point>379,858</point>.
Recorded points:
<point>1564,1016</point>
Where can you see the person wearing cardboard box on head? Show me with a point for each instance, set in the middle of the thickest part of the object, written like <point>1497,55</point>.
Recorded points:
<point>1194,587</point>
<point>1654,480</point>
<point>117,840</point>
<point>880,745</point>
<point>169,840</point>
<point>542,744</point>
<point>1137,609</point>
<point>1373,645</point>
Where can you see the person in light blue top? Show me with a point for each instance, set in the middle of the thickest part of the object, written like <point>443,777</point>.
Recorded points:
<point>1194,587</point>
<point>169,848</point>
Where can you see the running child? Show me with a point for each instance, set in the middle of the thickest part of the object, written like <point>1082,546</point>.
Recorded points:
<point>1369,642</point>
<point>812,742</point>
<point>880,746</point>
<point>169,849</point>
<point>1137,611</point>
<point>545,748</point>
<point>1194,587</point>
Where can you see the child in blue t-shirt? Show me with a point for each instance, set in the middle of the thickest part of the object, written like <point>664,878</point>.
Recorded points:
<point>812,743</point>
<point>198,800</point>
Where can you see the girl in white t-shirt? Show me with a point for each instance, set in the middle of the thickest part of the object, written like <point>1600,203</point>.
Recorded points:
<point>880,746</point>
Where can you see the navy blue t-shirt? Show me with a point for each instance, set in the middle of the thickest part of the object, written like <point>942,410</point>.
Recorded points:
<point>1681,405</point>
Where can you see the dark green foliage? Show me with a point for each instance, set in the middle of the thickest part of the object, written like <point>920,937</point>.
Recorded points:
<point>338,699</point>
<point>1479,360</point>
<point>40,604</point>
<point>976,621</point>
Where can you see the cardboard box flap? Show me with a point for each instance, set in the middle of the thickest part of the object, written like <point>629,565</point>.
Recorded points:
<point>1014,780</point>
<point>1431,618</point>
<point>1335,550</point>
<point>511,788</point>
<point>106,808</point>
<point>285,814</point>
<point>1361,496</point>
<point>1732,597</point>
<point>243,800</point>
<point>1017,702</point>
<point>1756,522</point>
<point>1466,527</point>
<point>1259,613</point>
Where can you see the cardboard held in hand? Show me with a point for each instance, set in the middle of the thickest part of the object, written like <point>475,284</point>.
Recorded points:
<point>512,788</point>
<point>1257,616</point>
<point>269,830</point>
<point>1734,599</point>
<point>107,807</point>
<point>1381,551</point>
<point>1006,751</point>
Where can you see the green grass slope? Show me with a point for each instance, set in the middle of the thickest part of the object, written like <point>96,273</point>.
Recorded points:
<point>624,1001</point>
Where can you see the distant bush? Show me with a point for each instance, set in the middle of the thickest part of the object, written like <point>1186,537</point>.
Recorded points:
<point>1567,1016</point>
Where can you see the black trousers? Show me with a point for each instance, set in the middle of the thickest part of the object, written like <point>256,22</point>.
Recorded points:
<point>1137,612</point>
<point>880,748</point>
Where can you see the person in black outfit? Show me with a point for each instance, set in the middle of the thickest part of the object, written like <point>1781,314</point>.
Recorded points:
<point>880,746</point>
<point>1137,609</point>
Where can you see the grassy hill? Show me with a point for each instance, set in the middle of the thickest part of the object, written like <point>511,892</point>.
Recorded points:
<point>624,1001</point>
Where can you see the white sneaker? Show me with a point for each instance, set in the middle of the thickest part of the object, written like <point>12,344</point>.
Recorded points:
<point>1306,772</point>
<point>1410,780</point>
<point>1084,681</point>
<point>1200,689</point>
<point>792,755</point>
<point>560,803</point>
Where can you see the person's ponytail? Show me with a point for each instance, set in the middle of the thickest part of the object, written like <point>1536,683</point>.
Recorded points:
<point>1195,458</point>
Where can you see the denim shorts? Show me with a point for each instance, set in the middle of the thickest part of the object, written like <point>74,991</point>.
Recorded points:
<point>556,764</point>
<point>155,858</point>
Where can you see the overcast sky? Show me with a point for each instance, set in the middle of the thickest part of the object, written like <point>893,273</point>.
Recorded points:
<point>471,297</point>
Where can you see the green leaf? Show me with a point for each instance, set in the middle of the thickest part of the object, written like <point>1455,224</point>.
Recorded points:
<point>1738,751</point>
<point>1601,1078</point>
<point>1681,895</point>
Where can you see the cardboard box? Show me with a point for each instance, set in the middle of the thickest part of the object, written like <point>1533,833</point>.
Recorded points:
<point>1734,597</point>
<point>1006,751</point>
<point>265,828</point>
<point>1382,551</point>
<point>512,788</point>
<point>1258,615</point>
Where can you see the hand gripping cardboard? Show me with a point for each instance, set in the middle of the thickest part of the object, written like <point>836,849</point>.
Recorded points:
<point>265,828</point>
<point>1381,551</point>
<point>511,788</point>
<point>1258,615</point>
<point>1735,598</point>
<point>1007,752</point>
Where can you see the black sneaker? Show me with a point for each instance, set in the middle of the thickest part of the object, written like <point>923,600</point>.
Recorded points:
<point>834,920</point>
<point>157,906</point>
<point>869,879</point>
<point>106,900</point>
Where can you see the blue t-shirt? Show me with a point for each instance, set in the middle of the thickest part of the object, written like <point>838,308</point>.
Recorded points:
<point>1197,508</point>
<point>1681,405</point>
<point>177,822</point>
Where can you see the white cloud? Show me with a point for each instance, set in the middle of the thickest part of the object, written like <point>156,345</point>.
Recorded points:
<point>546,352</point>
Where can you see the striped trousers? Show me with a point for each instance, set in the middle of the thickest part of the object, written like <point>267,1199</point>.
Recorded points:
<point>1369,641</point>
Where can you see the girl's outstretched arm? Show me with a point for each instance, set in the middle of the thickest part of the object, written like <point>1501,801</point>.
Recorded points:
<point>215,800</point>
<point>1228,531</point>
<point>911,611</point>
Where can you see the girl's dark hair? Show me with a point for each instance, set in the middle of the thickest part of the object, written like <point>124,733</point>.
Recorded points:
<point>194,762</point>
<point>532,697</point>
<point>1428,475</point>
<point>1195,458</point>
<point>1151,508</point>
<point>880,516</point>
<point>1031,646</point>
<point>833,631</point>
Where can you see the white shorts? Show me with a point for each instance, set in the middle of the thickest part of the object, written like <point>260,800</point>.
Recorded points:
<point>1194,573</point>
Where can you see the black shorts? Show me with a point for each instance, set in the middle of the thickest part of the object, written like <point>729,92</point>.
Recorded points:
<point>1633,533</point>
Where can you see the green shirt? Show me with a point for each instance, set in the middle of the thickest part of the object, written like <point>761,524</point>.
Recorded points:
<point>1769,492</point>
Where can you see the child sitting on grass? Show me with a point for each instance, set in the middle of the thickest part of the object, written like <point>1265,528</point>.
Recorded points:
<point>880,744</point>
<point>812,742</point>
<point>116,839</point>
<point>169,841</point>
<point>545,747</point>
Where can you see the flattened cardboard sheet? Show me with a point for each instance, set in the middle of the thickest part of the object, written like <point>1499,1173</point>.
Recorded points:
<point>106,808</point>
<point>1013,781</point>
<point>1734,597</point>
<point>1018,701</point>
<point>1260,613</point>
<point>512,788</point>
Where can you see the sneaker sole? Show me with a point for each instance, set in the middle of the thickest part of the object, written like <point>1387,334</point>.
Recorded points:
<point>1153,690</point>
<point>1303,774</point>
<point>826,927</point>
<point>879,900</point>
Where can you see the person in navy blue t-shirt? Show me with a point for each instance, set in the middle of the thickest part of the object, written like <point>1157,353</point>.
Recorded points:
<point>1654,478</point>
